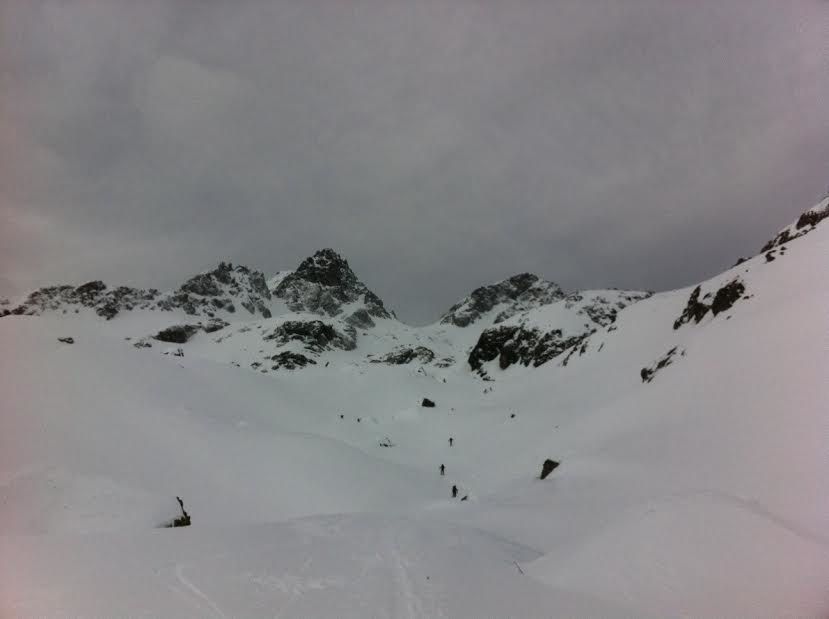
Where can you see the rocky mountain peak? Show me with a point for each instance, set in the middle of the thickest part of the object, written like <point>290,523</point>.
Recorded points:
<point>323,284</point>
<point>512,295</point>
<point>328,268</point>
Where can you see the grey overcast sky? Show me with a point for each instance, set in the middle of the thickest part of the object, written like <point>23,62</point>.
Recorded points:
<point>436,145</point>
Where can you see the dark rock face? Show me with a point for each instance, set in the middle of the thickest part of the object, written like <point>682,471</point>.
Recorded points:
<point>290,361</point>
<point>724,299</point>
<point>177,334</point>
<point>518,344</point>
<point>217,289</point>
<point>807,222</point>
<point>812,217</point>
<point>324,283</point>
<point>66,340</point>
<point>315,336</point>
<point>200,295</point>
<point>404,355</point>
<point>694,310</point>
<point>427,403</point>
<point>92,295</point>
<point>727,296</point>
<point>647,374</point>
<point>521,292</point>
<point>548,467</point>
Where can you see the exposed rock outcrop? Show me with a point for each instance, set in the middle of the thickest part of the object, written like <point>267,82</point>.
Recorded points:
<point>518,293</point>
<point>807,222</point>
<point>518,344</point>
<point>291,361</point>
<point>177,334</point>
<point>647,374</point>
<point>404,355</point>
<point>314,335</point>
<point>323,284</point>
<point>220,290</point>
<point>724,299</point>
<point>202,295</point>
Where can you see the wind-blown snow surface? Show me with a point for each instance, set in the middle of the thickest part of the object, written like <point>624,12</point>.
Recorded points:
<point>701,493</point>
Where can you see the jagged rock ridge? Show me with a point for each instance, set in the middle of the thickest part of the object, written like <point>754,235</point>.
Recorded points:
<point>205,294</point>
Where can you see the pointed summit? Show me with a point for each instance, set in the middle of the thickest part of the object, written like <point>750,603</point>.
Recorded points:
<point>324,284</point>
<point>328,268</point>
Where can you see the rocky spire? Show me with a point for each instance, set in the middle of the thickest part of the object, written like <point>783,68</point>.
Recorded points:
<point>324,284</point>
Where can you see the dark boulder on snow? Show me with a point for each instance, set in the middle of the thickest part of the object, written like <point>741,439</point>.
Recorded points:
<point>548,467</point>
<point>66,340</point>
<point>177,334</point>
<point>291,361</point>
<point>427,403</point>
<point>404,355</point>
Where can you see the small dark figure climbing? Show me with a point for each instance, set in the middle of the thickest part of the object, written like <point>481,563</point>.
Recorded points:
<point>454,492</point>
<point>451,441</point>
<point>442,470</point>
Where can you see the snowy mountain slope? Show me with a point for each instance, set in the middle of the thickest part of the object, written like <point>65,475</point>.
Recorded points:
<point>692,482</point>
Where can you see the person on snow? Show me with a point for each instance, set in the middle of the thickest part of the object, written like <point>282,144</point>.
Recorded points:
<point>451,441</point>
<point>442,470</point>
<point>454,492</point>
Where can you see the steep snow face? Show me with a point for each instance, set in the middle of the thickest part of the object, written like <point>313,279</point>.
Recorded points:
<point>214,293</point>
<point>324,284</point>
<point>501,300</point>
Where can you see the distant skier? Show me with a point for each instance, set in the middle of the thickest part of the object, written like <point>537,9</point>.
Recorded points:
<point>442,470</point>
<point>451,441</point>
<point>454,492</point>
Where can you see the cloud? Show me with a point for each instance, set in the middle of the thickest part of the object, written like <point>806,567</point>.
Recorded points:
<point>438,146</point>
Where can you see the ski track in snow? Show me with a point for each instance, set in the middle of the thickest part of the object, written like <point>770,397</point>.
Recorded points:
<point>192,588</point>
